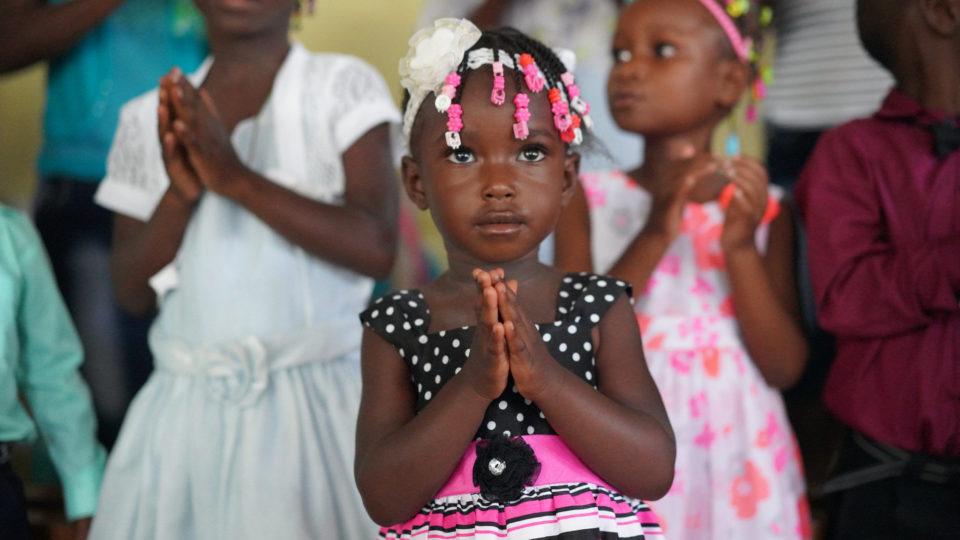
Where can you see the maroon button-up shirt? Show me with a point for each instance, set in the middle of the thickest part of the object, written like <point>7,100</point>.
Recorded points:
<point>882,214</point>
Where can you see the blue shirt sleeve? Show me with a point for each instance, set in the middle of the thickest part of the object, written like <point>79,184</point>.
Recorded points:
<point>48,375</point>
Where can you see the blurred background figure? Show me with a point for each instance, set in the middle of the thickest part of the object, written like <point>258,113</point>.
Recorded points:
<point>40,356</point>
<point>709,250</point>
<point>232,223</point>
<point>822,78</point>
<point>338,26</point>
<point>882,207</point>
<point>101,53</point>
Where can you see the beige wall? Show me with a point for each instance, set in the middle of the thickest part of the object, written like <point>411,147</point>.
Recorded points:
<point>375,30</point>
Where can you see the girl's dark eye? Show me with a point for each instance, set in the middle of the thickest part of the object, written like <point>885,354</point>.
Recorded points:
<point>461,155</point>
<point>665,50</point>
<point>622,56</point>
<point>532,154</point>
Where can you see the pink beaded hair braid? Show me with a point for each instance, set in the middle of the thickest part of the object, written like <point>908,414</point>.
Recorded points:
<point>535,68</point>
<point>570,111</point>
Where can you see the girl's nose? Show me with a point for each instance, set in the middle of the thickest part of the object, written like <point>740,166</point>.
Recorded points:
<point>634,68</point>
<point>499,190</point>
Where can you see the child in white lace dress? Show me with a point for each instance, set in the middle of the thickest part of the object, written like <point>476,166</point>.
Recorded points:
<point>709,247</point>
<point>234,190</point>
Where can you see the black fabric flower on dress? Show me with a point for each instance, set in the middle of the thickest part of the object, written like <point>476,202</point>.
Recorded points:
<point>504,466</point>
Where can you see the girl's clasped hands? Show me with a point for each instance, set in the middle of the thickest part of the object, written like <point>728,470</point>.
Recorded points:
<point>197,151</point>
<point>509,343</point>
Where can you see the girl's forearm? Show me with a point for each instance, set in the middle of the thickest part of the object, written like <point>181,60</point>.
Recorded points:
<point>772,335</point>
<point>143,249</point>
<point>627,447</point>
<point>406,468</point>
<point>33,31</point>
<point>640,259</point>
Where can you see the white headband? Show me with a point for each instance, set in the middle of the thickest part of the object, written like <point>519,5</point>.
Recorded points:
<point>434,52</point>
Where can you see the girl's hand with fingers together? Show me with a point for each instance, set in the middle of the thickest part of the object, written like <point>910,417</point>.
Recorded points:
<point>530,361</point>
<point>198,126</point>
<point>747,205</point>
<point>488,367</point>
<point>184,184</point>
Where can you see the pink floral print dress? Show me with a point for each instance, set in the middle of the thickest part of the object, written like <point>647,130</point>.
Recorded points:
<point>738,472</point>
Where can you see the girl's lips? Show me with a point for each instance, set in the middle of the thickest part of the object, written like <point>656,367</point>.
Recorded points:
<point>619,100</point>
<point>500,223</point>
<point>501,228</point>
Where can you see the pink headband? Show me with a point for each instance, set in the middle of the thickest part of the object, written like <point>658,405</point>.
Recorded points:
<point>740,45</point>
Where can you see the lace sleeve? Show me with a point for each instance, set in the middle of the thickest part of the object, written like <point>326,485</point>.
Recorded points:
<point>358,101</point>
<point>136,178</point>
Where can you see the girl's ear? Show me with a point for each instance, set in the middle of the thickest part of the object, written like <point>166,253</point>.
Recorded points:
<point>733,79</point>
<point>571,175</point>
<point>412,182</point>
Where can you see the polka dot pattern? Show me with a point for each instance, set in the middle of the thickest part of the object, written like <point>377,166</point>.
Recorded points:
<point>402,319</point>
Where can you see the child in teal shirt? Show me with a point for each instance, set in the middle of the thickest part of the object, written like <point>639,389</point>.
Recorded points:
<point>40,357</point>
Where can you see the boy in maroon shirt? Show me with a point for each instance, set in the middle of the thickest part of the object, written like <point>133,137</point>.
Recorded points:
<point>881,200</point>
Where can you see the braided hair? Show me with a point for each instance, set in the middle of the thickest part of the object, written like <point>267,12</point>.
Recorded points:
<point>571,112</point>
<point>751,18</point>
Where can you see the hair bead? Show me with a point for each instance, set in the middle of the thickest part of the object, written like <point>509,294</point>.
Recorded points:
<point>498,96</point>
<point>448,92</point>
<point>454,125</point>
<point>522,115</point>
<point>531,74</point>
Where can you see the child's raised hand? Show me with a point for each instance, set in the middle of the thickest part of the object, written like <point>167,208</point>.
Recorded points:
<point>184,183</point>
<point>666,217</point>
<point>747,204</point>
<point>525,347</point>
<point>488,367</point>
<point>198,126</point>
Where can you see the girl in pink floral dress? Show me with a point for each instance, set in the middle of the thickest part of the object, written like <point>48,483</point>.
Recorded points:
<point>710,249</point>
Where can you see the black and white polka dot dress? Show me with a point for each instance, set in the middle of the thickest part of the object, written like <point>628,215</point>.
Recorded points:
<point>403,318</point>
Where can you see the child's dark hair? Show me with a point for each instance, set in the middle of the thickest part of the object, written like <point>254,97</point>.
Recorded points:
<point>751,18</point>
<point>514,43</point>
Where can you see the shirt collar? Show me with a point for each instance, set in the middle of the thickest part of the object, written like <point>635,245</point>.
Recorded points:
<point>899,106</point>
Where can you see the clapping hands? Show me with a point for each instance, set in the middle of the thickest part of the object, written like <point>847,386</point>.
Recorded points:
<point>745,200</point>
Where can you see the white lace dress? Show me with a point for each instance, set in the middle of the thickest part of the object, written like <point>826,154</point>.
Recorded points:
<point>246,427</point>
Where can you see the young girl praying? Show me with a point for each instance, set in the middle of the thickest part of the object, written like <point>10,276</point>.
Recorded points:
<point>234,189</point>
<point>505,399</point>
<point>710,249</point>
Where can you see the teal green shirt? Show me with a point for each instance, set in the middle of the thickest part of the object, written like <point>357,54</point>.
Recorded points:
<point>40,357</point>
<point>121,58</point>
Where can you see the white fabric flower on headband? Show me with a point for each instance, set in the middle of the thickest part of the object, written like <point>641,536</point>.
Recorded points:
<point>433,53</point>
